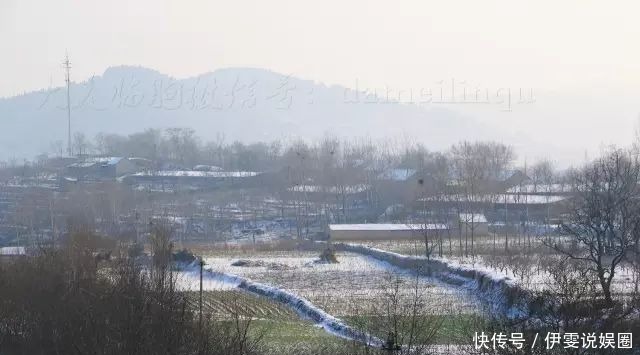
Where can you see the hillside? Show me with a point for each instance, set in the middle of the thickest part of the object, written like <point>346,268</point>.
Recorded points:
<point>241,103</point>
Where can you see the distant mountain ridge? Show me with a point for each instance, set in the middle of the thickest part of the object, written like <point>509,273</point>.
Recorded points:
<point>245,104</point>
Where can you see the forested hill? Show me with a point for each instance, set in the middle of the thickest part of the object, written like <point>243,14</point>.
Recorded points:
<point>240,103</point>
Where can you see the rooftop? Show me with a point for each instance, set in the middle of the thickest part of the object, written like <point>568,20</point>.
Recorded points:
<point>397,174</point>
<point>523,198</point>
<point>202,174</point>
<point>89,162</point>
<point>387,227</point>
<point>473,218</point>
<point>539,188</point>
<point>349,189</point>
<point>12,251</point>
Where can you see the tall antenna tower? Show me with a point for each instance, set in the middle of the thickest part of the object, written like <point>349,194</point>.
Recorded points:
<point>67,67</point>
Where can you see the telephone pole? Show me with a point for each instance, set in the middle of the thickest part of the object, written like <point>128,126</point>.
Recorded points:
<point>201,263</point>
<point>67,67</point>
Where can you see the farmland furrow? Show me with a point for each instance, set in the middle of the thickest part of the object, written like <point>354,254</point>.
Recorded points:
<point>504,295</point>
<point>298,304</point>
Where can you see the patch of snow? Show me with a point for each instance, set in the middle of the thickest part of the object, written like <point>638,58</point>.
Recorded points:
<point>350,189</point>
<point>202,174</point>
<point>472,218</point>
<point>388,227</point>
<point>300,305</point>
<point>13,251</point>
<point>501,292</point>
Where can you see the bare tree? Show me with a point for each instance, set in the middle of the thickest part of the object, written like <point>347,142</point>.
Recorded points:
<point>604,220</point>
<point>402,316</point>
<point>543,177</point>
<point>80,144</point>
<point>477,167</point>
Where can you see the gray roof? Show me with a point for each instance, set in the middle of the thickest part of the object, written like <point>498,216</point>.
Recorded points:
<point>102,161</point>
<point>387,227</point>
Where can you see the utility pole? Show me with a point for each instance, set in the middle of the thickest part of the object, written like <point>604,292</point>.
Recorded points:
<point>201,266</point>
<point>67,67</point>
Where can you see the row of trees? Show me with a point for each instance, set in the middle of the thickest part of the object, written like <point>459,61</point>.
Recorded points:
<point>73,300</point>
<point>330,166</point>
<point>586,289</point>
<point>182,146</point>
<point>603,223</point>
<point>95,295</point>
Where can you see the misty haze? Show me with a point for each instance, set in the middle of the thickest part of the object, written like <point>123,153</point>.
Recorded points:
<point>289,177</point>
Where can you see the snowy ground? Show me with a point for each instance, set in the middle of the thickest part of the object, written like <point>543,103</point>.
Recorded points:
<point>356,285</point>
<point>529,268</point>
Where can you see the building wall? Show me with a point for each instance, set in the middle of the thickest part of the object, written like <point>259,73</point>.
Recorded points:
<point>185,182</point>
<point>338,235</point>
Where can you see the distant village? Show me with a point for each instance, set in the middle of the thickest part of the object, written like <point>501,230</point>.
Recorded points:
<point>318,191</point>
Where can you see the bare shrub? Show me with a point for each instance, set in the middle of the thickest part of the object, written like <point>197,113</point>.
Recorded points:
<point>401,316</point>
<point>61,302</point>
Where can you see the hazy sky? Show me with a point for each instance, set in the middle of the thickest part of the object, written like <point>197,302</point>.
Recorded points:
<point>582,57</point>
<point>552,45</point>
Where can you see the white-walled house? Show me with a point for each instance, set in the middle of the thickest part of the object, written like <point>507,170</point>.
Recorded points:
<point>384,231</point>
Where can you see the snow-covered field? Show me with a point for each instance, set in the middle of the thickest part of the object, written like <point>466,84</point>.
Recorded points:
<point>529,268</point>
<point>356,285</point>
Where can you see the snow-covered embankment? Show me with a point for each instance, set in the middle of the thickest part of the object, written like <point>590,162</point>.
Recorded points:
<point>300,305</point>
<point>503,294</point>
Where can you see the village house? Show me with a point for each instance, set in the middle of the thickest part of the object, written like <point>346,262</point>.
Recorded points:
<point>173,180</point>
<point>102,168</point>
<point>384,231</point>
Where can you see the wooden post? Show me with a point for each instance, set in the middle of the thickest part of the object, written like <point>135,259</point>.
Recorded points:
<point>200,318</point>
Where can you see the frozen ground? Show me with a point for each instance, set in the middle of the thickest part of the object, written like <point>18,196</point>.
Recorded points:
<point>296,302</point>
<point>529,268</point>
<point>356,285</point>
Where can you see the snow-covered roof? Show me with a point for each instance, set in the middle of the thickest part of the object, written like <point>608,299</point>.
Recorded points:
<point>12,251</point>
<point>539,188</point>
<point>111,160</point>
<point>203,174</point>
<point>349,189</point>
<point>397,174</point>
<point>457,198</point>
<point>104,161</point>
<point>203,167</point>
<point>529,199</point>
<point>82,165</point>
<point>508,174</point>
<point>387,226</point>
<point>472,218</point>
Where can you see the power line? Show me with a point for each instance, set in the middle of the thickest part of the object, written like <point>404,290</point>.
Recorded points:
<point>67,66</point>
